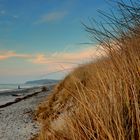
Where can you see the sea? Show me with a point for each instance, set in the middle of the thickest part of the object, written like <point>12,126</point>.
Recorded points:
<point>5,87</point>
<point>6,91</point>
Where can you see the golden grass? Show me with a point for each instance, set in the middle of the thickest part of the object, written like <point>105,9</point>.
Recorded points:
<point>99,100</point>
<point>96,101</point>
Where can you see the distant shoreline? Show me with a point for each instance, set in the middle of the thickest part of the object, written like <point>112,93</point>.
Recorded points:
<point>10,96</point>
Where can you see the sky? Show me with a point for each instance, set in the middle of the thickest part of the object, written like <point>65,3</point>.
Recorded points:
<point>44,38</point>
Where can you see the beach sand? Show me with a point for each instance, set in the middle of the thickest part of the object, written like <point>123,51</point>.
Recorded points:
<point>17,120</point>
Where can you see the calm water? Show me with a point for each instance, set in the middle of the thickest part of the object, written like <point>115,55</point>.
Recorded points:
<point>11,87</point>
<point>4,87</point>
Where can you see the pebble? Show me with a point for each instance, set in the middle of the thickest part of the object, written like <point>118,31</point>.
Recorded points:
<point>16,121</point>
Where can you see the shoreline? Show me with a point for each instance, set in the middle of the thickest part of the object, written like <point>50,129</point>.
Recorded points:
<point>17,120</point>
<point>8,96</point>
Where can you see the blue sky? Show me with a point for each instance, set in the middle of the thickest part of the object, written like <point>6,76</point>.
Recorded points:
<point>39,37</point>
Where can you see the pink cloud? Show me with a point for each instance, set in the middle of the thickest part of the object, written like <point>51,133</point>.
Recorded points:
<point>52,63</point>
<point>67,57</point>
<point>10,54</point>
<point>65,61</point>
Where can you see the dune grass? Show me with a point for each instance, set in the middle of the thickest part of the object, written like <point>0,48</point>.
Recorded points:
<point>100,100</point>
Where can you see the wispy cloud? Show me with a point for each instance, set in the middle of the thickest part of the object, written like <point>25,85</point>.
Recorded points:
<point>67,57</point>
<point>58,61</point>
<point>65,61</point>
<point>52,16</point>
<point>10,54</point>
<point>2,12</point>
<point>15,16</point>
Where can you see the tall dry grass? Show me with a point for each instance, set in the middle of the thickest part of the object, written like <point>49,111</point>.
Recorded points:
<point>100,100</point>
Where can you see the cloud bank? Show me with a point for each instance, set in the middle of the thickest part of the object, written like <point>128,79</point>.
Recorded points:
<point>10,54</point>
<point>57,61</point>
<point>52,16</point>
<point>67,57</point>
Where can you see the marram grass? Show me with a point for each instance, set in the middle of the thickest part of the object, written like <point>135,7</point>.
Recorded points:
<point>99,100</point>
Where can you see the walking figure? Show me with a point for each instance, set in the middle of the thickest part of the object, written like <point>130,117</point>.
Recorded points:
<point>18,86</point>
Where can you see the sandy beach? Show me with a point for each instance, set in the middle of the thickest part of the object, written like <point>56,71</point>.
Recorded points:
<point>17,120</point>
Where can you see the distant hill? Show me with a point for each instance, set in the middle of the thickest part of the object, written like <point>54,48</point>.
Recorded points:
<point>42,81</point>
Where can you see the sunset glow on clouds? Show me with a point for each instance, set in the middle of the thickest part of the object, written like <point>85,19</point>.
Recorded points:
<point>64,61</point>
<point>67,57</point>
<point>10,54</point>
<point>38,37</point>
<point>55,58</point>
<point>55,61</point>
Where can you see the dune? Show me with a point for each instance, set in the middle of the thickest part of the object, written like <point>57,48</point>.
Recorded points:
<point>99,100</point>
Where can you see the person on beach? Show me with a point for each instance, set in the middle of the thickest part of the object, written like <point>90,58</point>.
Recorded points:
<point>18,86</point>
